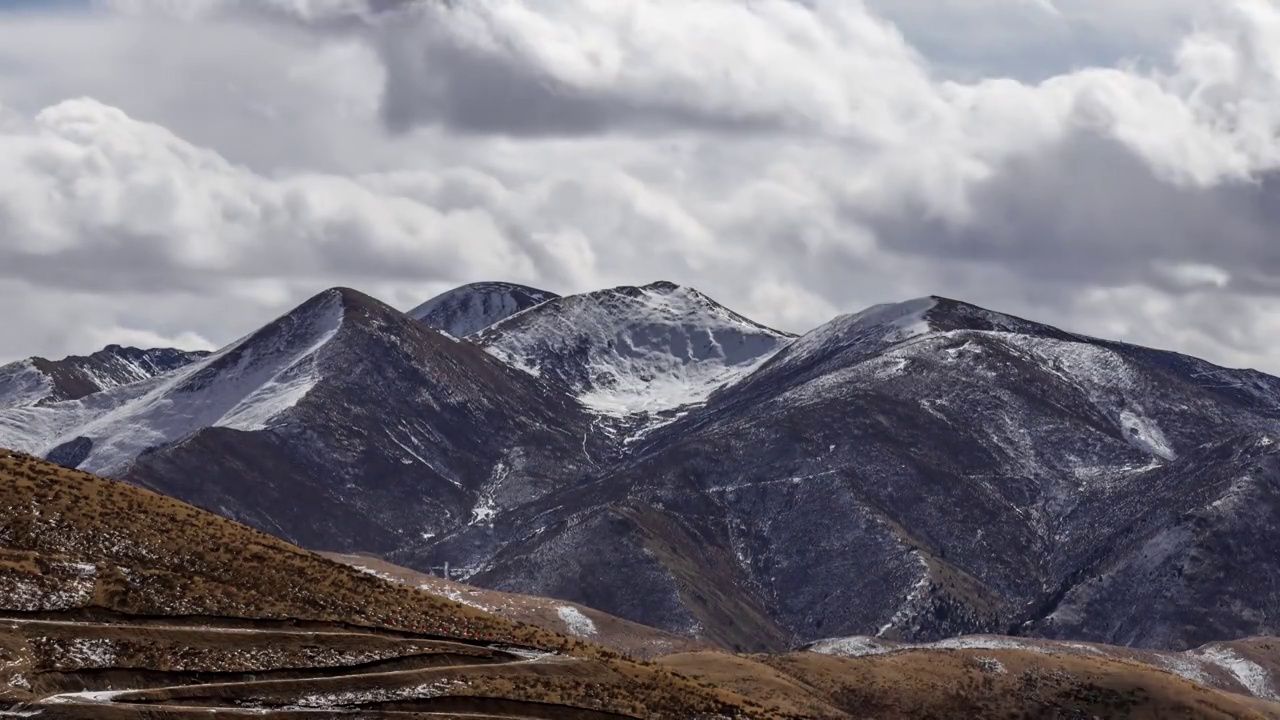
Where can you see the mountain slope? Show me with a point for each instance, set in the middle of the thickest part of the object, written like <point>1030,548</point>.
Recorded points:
<point>37,380</point>
<point>549,614</point>
<point>343,425</point>
<point>402,434</point>
<point>244,386</point>
<point>471,308</point>
<point>929,469</point>
<point>116,602</point>
<point>634,349</point>
<point>986,678</point>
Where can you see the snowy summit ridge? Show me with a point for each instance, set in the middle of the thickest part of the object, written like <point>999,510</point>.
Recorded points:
<point>244,386</point>
<point>631,350</point>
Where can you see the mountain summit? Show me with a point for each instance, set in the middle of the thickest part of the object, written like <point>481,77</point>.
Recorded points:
<point>472,308</point>
<point>634,349</point>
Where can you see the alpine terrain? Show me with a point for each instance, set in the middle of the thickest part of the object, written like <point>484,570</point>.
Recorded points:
<point>909,473</point>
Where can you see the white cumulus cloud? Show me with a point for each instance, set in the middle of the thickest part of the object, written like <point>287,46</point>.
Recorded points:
<point>1111,167</point>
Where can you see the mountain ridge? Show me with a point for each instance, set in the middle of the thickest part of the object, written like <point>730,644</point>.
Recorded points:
<point>975,471</point>
<point>38,380</point>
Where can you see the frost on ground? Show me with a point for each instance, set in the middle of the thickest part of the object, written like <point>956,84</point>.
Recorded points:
<point>93,696</point>
<point>376,573</point>
<point>578,624</point>
<point>39,593</point>
<point>859,646</point>
<point>456,596</point>
<point>1249,674</point>
<point>347,698</point>
<point>1190,668</point>
<point>854,646</point>
<point>78,653</point>
<point>991,666</point>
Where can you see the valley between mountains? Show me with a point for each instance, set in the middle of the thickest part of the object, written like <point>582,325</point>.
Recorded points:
<point>645,469</point>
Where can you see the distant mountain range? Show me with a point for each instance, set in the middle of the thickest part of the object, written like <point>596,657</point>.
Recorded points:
<point>912,472</point>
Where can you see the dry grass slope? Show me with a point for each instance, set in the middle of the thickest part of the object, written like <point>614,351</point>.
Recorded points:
<point>99,577</point>
<point>939,684</point>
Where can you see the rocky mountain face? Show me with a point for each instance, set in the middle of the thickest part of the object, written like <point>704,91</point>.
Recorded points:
<point>37,380</point>
<point>912,472</point>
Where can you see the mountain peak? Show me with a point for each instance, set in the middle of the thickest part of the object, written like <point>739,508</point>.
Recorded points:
<point>469,309</point>
<point>634,349</point>
<point>662,286</point>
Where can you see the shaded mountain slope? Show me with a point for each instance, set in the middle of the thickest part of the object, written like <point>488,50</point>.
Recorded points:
<point>471,308</point>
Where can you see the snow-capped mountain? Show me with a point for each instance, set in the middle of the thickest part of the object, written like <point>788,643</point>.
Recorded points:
<point>909,472</point>
<point>472,308</point>
<point>37,380</point>
<point>634,349</point>
<point>346,425</point>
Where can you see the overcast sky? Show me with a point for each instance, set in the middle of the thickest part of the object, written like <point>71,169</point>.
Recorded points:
<point>178,172</point>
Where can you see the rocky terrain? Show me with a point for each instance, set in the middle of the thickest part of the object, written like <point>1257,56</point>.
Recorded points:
<point>911,472</point>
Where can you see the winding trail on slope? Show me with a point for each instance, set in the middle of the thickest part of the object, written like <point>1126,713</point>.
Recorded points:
<point>362,692</point>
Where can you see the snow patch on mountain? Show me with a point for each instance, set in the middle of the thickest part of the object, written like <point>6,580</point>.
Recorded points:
<point>1143,433</point>
<point>861,645</point>
<point>37,428</point>
<point>575,622</point>
<point>633,350</point>
<point>854,646</point>
<point>287,387</point>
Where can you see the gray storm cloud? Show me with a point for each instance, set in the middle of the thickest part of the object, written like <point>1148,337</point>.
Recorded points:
<point>794,159</point>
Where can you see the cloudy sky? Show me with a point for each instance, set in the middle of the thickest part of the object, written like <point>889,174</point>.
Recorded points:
<point>181,171</point>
